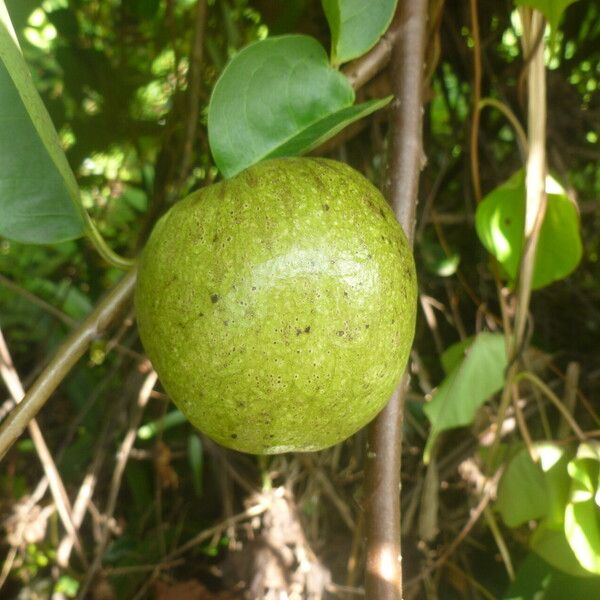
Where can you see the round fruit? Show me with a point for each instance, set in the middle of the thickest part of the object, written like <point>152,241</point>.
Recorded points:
<point>278,307</point>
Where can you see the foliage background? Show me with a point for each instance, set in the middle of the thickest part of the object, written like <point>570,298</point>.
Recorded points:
<point>115,77</point>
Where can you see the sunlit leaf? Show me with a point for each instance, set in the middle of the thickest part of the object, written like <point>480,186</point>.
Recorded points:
<point>549,542</point>
<point>479,375</point>
<point>500,219</point>
<point>551,9</point>
<point>582,514</point>
<point>356,25</point>
<point>37,188</point>
<point>554,459</point>
<point>278,97</point>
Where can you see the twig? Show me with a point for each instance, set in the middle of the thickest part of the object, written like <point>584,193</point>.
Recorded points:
<point>475,114</point>
<point>61,499</point>
<point>65,358</point>
<point>204,535</point>
<point>476,513</point>
<point>115,484</point>
<point>512,118</point>
<point>568,417</point>
<point>382,516</point>
<point>46,306</point>
<point>500,542</point>
<point>194,85</point>
<point>60,315</point>
<point>571,384</point>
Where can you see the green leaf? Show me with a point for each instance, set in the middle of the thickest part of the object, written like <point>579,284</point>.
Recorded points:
<point>278,97</point>
<point>553,461</point>
<point>537,580</point>
<point>551,9</point>
<point>582,514</point>
<point>584,470</point>
<point>324,129</point>
<point>356,25</point>
<point>454,355</point>
<point>38,192</point>
<point>522,491</point>
<point>499,221</point>
<point>479,375</point>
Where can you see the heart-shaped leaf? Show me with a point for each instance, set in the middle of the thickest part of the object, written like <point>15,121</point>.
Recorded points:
<point>356,25</point>
<point>522,491</point>
<point>38,191</point>
<point>499,221</point>
<point>278,97</point>
<point>470,383</point>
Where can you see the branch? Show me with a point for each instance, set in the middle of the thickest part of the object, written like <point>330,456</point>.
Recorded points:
<point>382,518</point>
<point>366,67</point>
<point>72,349</point>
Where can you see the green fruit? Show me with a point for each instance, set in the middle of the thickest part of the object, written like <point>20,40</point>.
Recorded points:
<point>278,307</point>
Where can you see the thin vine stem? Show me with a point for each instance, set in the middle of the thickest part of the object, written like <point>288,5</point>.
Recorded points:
<point>511,117</point>
<point>535,380</point>
<point>476,96</point>
<point>103,249</point>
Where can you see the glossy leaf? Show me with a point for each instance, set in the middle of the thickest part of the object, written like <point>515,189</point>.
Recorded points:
<point>278,97</point>
<point>479,375</point>
<point>551,9</point>
<point>324,129</point>
<point>356,25</point>
<point>499,221</point>
<point>37,188</point>
<point>538,580</point>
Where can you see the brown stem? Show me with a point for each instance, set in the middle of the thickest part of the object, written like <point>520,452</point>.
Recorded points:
<point>475,114</point>
<point>72,349</point>
<point>194,87</point>
<point>363,69</point>
<point>382,517</point>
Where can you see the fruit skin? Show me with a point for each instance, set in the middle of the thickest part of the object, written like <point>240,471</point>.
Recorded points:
<point>278,307</point>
